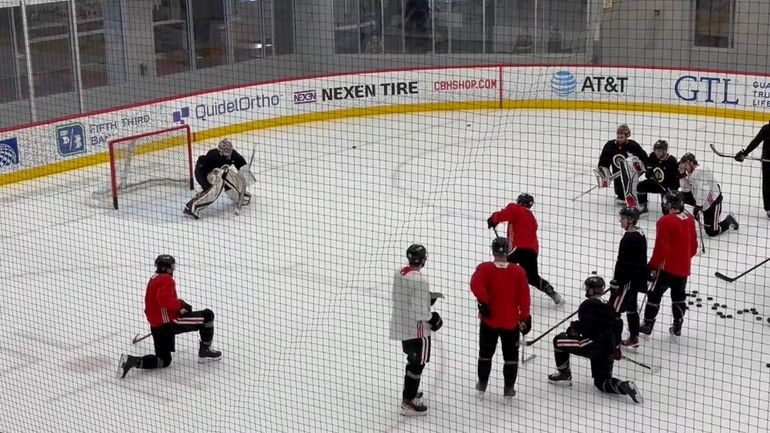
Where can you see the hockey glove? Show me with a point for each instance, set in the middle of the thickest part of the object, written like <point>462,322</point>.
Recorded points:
<point>618,353</point>
<point>186,308</point>
<point>653,275</point>
<point>649,173</point>
<point>740,156</point>
<point>484,310</point>
<point>435,321</point>
<point>526,325</point>
<point>572,332</point>
<point>491,224</point>
<point>696,211</point>
<point>614,286</point>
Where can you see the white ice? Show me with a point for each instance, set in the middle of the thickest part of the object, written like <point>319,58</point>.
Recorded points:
<point>300,284</point>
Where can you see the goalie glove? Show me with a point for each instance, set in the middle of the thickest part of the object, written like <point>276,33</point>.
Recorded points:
<point>186,308</point>
<point>248,177</point>
<point>603,176</point>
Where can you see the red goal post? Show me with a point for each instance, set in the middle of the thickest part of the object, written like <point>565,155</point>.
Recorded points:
<point>155,157</point>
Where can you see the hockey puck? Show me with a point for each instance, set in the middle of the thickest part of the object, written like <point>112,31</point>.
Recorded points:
<point>768,365</point>
<point>759,318</point>
<point>695,291</point>
<point>713,307</point>
<point>719,313</point>
<point>699,299</point>
<point>729,316</point>
<point>699,305</point>
<point>710,298</point>
<point>768,320</point>
<point>739,311</point>
<point>724,305</point>
<point>745,310</point>
<point>690,302</point>
<point>354,147</point>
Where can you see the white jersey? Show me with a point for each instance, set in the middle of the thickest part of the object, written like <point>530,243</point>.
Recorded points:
<point>703,186</point>
<point>411,306</point>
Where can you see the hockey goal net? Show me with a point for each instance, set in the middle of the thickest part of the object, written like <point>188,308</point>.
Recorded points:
<point>150,159</point>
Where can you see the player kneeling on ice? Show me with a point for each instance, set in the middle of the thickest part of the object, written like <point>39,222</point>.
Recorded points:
<point>169,316</point>
<point>703,192</point>
<point>596,336</point>
<point>502,293</point>
<point>214,172</point>
<point>412,322</point>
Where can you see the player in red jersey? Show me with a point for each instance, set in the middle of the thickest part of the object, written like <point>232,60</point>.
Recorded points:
<point>503,299</point>
<point>168,316</point>
<point>522,235</point>
<point>676,243</point>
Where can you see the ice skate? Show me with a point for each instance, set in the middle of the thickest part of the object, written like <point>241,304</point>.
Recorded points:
<point>631,343</point>
<point>732,221</point>
<point>481,388</point>
<point>561,377</point>
<point>412,408</point>
<point>646,328</point>
<point>189,212</point>
<point>127,362</point>
<point>206,354</point>
<point>630,389</point>
<point>676,328</point>
<point>509,393</point>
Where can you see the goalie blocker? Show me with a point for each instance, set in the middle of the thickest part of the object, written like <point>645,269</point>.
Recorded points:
<point>214,173</point>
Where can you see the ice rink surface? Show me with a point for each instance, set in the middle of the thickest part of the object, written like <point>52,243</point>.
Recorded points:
<point>300,284</point>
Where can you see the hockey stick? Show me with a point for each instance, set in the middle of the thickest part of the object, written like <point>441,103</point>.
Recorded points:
<point>724,277</point>
<point>700,227</point>
<point>495,229</point>
<point>531,342</point>
<point>641,364</point>
<point>524,358</point>
<point>724,155</point>
<point>140,337</point>
<point>612,177</point>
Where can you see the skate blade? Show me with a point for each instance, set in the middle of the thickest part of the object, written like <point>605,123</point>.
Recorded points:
<point>410,412</point>
<point>561,382</point>
<point>119,371</point>
<point>529,358</point>
<point>206,360</point>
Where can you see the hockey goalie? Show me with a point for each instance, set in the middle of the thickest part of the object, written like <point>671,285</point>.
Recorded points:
<point>221,168</point>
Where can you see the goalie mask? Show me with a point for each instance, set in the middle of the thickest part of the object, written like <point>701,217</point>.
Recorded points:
<point>225,147</point>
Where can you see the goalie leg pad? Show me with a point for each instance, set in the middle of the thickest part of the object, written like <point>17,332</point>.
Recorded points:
<point>206,197</point>
<point>235,188</point>
<point>630,172</point>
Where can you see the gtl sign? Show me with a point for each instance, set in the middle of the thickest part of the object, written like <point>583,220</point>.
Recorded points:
<point>705,89</point>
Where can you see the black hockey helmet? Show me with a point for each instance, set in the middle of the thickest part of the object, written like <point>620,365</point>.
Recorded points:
<point>595,284</point>
<point>164,262</point>
<point>624,129</point>
<point>416,254</point>
<point>630,213</point>
<point>525,200</point>
<point>500,246</point>
<point>660,144</point>
<point>688,157</point>
<point>673,199</point>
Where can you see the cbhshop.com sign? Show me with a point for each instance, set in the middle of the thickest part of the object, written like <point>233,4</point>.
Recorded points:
<point>226,106</point>
<point>464,85</point>
<point>362,91</point>
<point>716,90</point>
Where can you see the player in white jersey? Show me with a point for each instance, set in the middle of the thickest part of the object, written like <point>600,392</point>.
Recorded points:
<point>412,322</point>
<point>703,192</point>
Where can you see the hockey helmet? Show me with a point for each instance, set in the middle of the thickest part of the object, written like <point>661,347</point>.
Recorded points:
<point>225,147</point>
<point>673,199</point>
<point>416,254</point>
<point>164,262</point>
<point>624,129</point>
<point>660,144</point>
<point>595,284</point>
<point>630,213</point>
<point>525,200</point>
<point>688,157</point>
<point>500,246</point>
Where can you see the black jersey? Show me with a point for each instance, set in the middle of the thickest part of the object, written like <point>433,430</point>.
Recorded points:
<point>213,159</point>
<point>631,266</point>
<point>598,321</point>
<point>668,175</point>
<point>762,136</point>
<point>611,150</point>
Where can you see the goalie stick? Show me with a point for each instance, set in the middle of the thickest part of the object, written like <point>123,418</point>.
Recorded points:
<point>724,277</point>
<point>612,177</point>
<point>724,155</point>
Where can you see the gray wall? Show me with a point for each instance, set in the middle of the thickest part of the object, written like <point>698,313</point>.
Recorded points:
<point>631,33</point>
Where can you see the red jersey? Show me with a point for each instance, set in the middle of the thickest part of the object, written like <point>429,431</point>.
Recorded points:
<point>161,304</point>
<point>503,286</point>
<point>522,226</point>
<point>676,243</point>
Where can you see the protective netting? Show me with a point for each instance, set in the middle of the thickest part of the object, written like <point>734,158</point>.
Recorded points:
<point>369,126</point>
